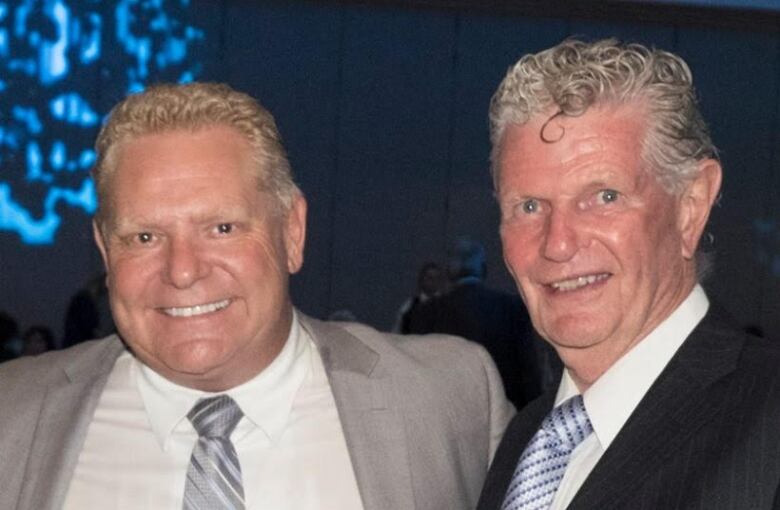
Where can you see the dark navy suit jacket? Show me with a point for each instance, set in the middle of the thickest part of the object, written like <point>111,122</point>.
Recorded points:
<point>706,436</point>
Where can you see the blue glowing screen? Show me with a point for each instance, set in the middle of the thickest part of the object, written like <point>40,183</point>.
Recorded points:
<point>51,53</point>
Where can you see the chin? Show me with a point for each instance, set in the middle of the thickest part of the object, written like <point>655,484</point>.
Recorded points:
<point>577,333</point>
<point>194,357</point>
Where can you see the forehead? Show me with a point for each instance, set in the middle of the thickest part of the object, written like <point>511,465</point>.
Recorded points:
<point>182,172</point>
<point>604,141</point>
<point>182,154</point>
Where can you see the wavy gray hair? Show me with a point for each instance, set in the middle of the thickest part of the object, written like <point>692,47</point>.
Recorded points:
<point>168,107</point>
<point>575,75</point>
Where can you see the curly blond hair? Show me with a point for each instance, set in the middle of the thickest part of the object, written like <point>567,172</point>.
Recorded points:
<point>576,75</point>
<point>169,107</point>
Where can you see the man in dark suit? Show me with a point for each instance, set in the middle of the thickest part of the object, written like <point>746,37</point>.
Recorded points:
<point>496,320</point>
<point>431,281</point>
<point>605,175</point>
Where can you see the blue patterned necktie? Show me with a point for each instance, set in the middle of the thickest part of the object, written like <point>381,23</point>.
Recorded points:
<point>543,462</point>
<point>214,474</point>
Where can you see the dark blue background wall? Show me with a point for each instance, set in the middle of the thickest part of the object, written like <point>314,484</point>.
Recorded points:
<point>383,110</point>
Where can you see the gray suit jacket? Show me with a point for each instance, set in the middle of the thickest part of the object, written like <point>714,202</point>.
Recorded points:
<point>421,416</point>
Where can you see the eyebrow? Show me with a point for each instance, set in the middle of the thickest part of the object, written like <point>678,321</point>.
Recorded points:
<point>207,216</point>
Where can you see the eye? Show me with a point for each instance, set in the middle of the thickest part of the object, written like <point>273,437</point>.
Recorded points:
<point>144,237</point>
<point>523,209</point>
<point>529,206</point>
<point>225,228</point>
<point>607,196</point>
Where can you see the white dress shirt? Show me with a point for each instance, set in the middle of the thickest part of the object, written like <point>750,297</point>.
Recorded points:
<point>614,396</point>
<point>290,442</point>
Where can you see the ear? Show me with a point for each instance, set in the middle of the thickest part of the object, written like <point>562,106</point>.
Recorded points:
<point>101,245</point>
<point>295,233</point>
<point>696,203</point>
<point>100,242</point>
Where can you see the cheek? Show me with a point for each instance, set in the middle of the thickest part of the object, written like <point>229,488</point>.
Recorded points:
<point>627,238</point>
<point>519,249</point>
<point>652,239</point>
<point>125,279</point>
<point>256,265</point>
<point>132,281</point>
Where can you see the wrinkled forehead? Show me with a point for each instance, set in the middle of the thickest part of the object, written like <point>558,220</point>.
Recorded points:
<point>602,143</point>
<point>137,161</point>
<point>168,144</point>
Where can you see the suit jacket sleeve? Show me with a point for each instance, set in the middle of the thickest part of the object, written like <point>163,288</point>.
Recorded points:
<point>501,410</point>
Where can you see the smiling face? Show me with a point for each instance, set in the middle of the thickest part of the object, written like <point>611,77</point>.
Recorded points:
<point>600,251</point>
<point>198,257</point>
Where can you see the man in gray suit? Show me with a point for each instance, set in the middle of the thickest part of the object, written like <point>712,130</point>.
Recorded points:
<point>605,176</point>
<point>217,393</point>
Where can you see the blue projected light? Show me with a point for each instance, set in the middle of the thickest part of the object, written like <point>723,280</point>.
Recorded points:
<point>74,109</point>
<point>49,50</point>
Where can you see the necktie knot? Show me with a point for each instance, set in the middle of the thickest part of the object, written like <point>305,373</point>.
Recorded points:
<point>215,417</point>
<point>568,424</point>
<point>543,463</point>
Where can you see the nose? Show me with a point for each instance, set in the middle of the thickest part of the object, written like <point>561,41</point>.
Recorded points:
<point>185,263</point>
<point>561,238</point>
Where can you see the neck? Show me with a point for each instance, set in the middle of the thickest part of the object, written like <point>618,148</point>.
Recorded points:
<point>587,365</point>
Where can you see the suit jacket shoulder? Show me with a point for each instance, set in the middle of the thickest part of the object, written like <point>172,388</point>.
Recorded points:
<point>494,319</point>
<point>73,362</point>
<point>422,415</point>
<point>449,370</point>
<point>46,404</point>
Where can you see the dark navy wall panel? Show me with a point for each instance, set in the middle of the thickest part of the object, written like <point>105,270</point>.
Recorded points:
<point>660,36</point>
<point>737,76</point>
<point>768,231</point>
<point>393,151</point>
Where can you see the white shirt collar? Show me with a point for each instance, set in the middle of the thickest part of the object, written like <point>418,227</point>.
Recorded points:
<point>265,400</point>
<point>615,395</point>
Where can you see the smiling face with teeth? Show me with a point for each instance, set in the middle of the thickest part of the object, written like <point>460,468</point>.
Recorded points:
<point>600,251</point>
<point>198,257</point>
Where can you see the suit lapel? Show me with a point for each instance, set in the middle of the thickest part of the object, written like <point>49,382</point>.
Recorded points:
<point>677,405</point>
<point>66,412</point>
<point>373,427</point>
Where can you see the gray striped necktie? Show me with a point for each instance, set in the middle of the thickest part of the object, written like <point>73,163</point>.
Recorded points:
<point>214,475</point>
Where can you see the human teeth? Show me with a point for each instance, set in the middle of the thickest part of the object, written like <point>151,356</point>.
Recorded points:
<point>189,311</point>
<point>576,283</point>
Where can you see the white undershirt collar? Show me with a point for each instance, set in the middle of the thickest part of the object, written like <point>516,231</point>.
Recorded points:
<point>167,403</point>
<point>614,396</point>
